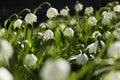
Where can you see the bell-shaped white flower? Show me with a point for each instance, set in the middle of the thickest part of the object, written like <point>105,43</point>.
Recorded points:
<point>114,50</point>
<point>62,26</point>
<point>89,10</point>
<point>96,34</point>
<point>6,49</point>
<point>82,59</point>
<point>69,32</point>
<point>93,47</point>
<point>73,21</point>
<point>107,15</point>
<point>113,75</point>
<point>78,7</point>
<point>30,18</point>
<point>51,12</point>
<point>64,12</point>
<point>5,74</point>
<point>30,60</point>
<point>55,70</point>
<point>17,23</point>
<point>92,21</point>
<point>48,34</point>
<point>116,8</point>
<point>105,21</point>
<point>117,26</point>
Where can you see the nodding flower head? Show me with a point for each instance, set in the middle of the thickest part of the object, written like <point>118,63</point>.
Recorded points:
<point>30,18</point>
<point>17,23</point>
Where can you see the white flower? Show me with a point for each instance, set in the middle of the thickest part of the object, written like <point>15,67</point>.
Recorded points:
<point>78,7</point>
<point>113,75</point>
<point>40,35</point>
<point>43,25</point>
<point>64,12</point>
<point>30,60</point>
<point>55,70</point>
<point>96,34</point>
<point>51,24</point>
<point>105,21</point>
<point>69,32</point>
<point>51,12</point>
<point>89,10</point>
<point>92,21</point>
<point>62,26</point>
<point>17,23</point>
<point>2,32</point>
<point>82,59</point>
<point>107,15</point>
<point>6,49</point>
<point>116,8</point>
<point>5,74</point>
<point>73,21</point>
<point>93,47</point>
<point>114,50</point>
<point>116,34</point>
<point>48,34</point>
<point>30,18</point>
<point>117,26</point>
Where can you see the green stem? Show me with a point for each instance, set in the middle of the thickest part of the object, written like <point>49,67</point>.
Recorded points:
<point>27,10</point>
<point>39,7</point>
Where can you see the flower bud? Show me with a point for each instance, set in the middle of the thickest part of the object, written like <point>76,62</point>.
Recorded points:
<point>89,10</point>
<point>30,60</point>
<point>64,12</point>
<point>78,6</point>
<point>51,12</point>
<point>30,18</point>
<point>116,8</point>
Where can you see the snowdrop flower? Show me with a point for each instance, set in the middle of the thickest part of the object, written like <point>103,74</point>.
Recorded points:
<point>62,26</point>
<point>113,75</point>
<point>114,50</point>
<point>73,21</point>
<point>93,47</point>
<point>69,32</point>
<point>92,21</point>
<point>17,23</point>
<point>30,60</point>
<point>96,34</point>
<point>107,15</point>
<point>51,24</point>
<point>48,34</point>
<point>5,74</point>
<point>78,7</point>
<point>89,10</point>
<point>2,32</point>
<point>43,25</point>
<point>116,8</point>
<point>64,12</point>
<point>105,21</point>
<point>6,49</point>
<point>82,59</point>
<point>30,18</point>
<point>55,70</point>
<point>40,35</point>
<point>51,12</point>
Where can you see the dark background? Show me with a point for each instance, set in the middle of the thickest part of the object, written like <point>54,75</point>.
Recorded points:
<point>8,7</point>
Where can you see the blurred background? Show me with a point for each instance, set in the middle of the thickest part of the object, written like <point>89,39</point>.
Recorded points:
<point>8,7</point>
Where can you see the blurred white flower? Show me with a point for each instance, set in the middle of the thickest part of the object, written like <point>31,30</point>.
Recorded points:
<point>5,74</point>
<point>82,59</point>
<point>64,12</point>
<point>107,15</point>
<point>92,21</point>
<point>73,21</point>
<point>69,32</point>
<point>78,7</point>
<point>40,35</point>
<point>93,47</point>
<point>96,34</point>
<point>107,34</point>
<point>114,50</point>
<point>117,26</point>
<point>113,75</point>
<point>116,34</point>
<point>17,23</point>
<point>116,8</point>
<point>48,34</point>
<point>89,10</point>
<point>62,25</point>
<point>105,21</point>
<point>6,49</point>
<point>43,25</point>
<point>51,24</point>
<point>51,12</point>
<point>55,70</point>
<point>2,32</point>
<point>30,18</point>
<point>30,60</point>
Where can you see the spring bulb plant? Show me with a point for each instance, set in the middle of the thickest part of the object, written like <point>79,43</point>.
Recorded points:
<point>63,47</point>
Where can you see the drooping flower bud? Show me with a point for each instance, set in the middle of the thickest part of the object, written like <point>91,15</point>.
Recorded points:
<point>92,21</point>
<point>48,34</point>
<point>17,23</point>
<point>69,32</point>
<point>30,18</point>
